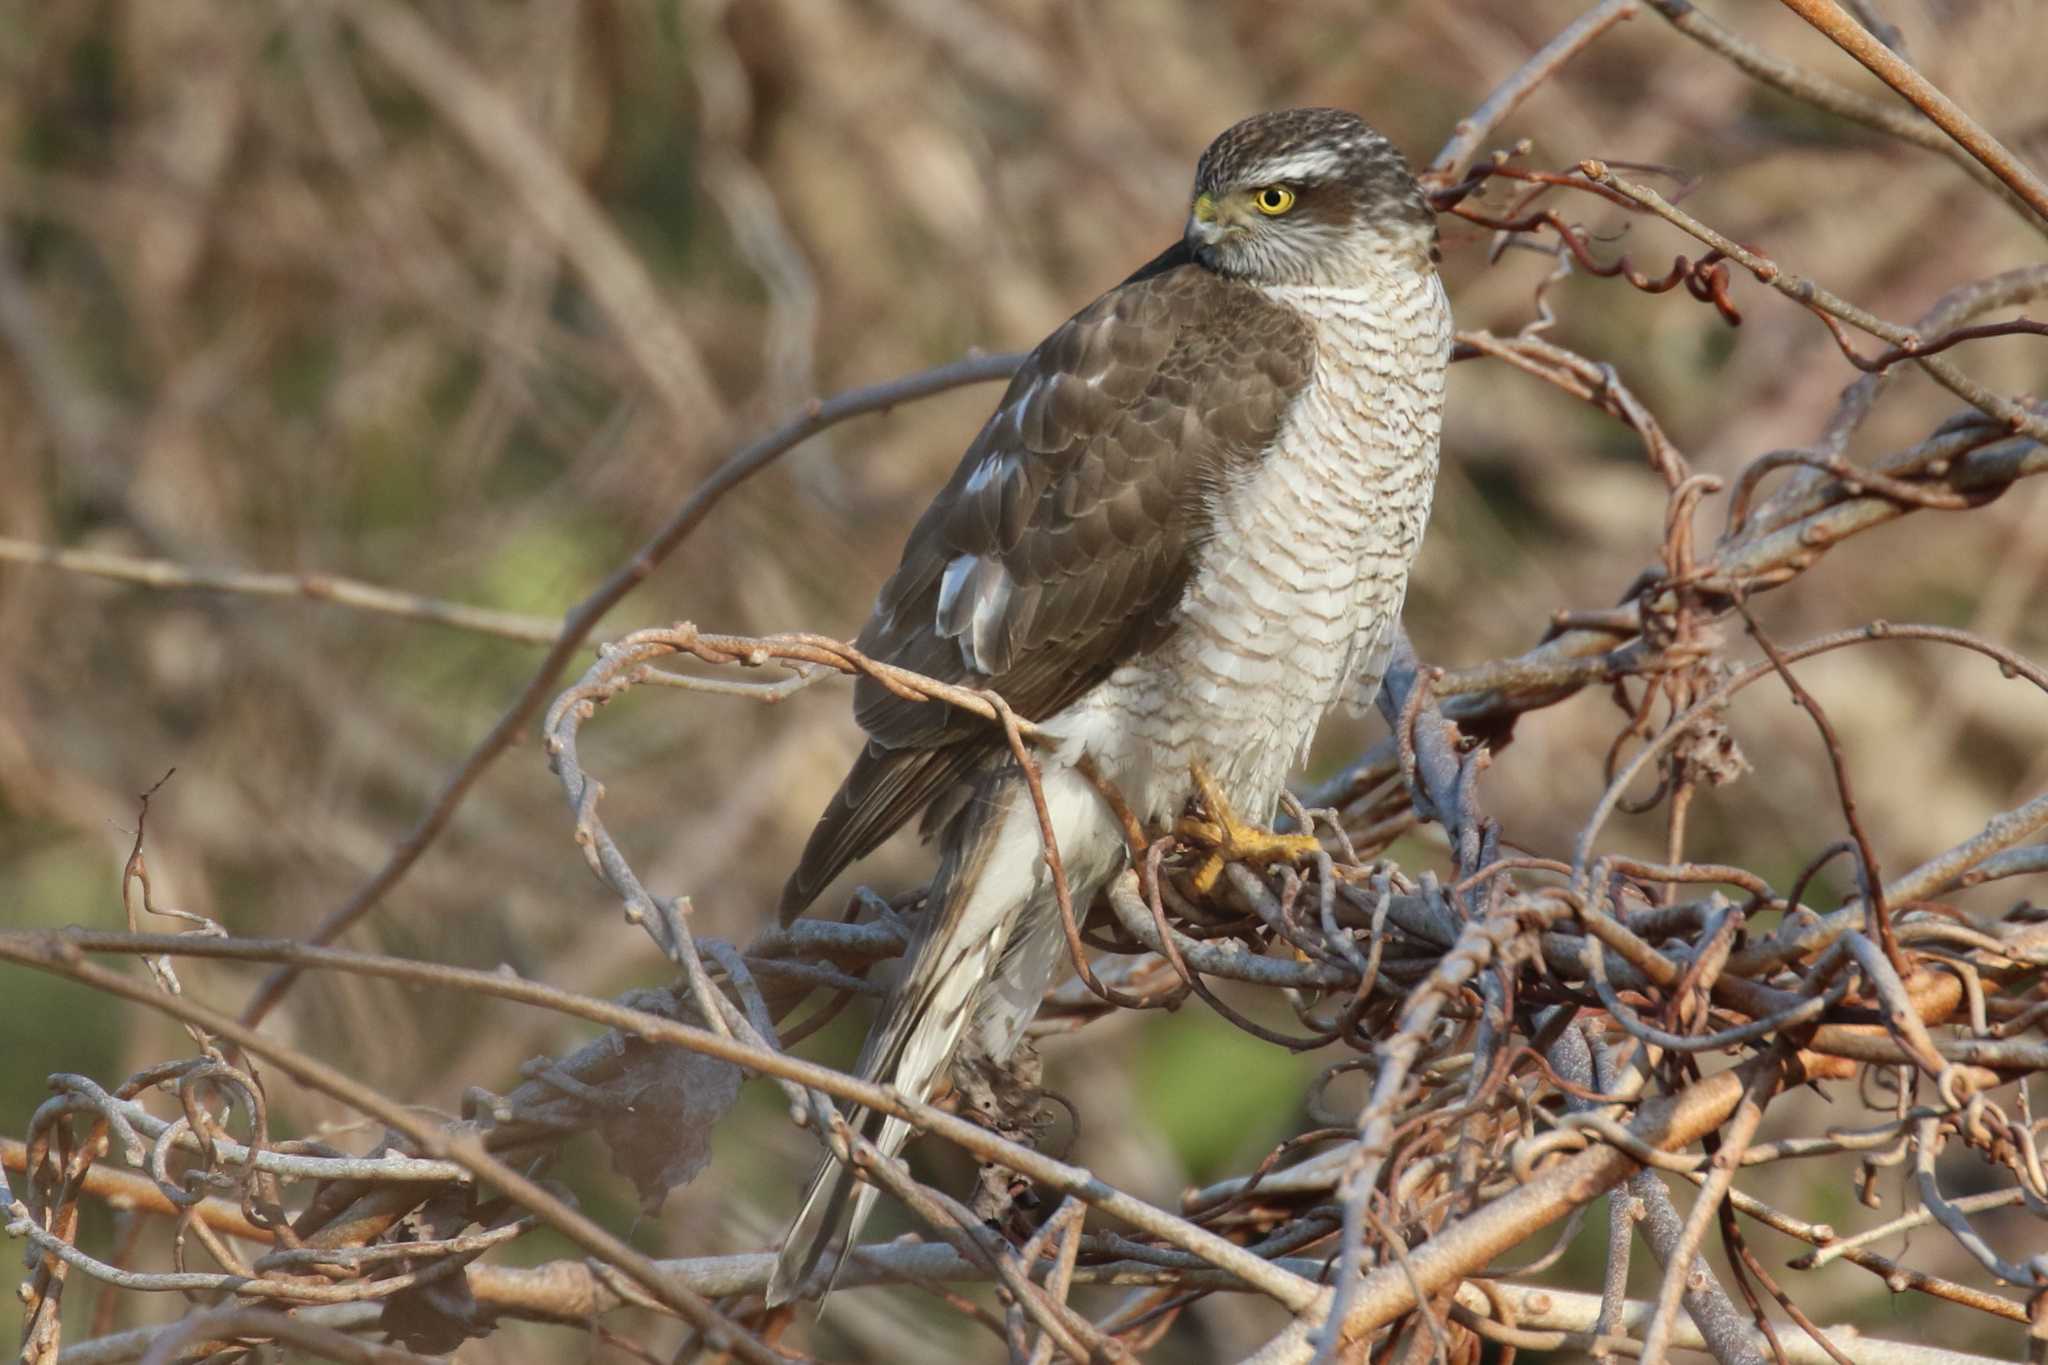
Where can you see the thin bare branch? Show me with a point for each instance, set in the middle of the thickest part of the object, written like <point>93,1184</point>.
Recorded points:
<point>585,615</point>
<point>1894,70</point>
<point>167,575</point>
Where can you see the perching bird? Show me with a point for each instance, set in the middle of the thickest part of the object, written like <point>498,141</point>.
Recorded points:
<point>1183,536</point>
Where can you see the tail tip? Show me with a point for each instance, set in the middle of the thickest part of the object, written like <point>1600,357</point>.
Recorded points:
<point>792,1274</point>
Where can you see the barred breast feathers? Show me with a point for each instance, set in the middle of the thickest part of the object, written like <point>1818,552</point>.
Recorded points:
<point>1292,603</point>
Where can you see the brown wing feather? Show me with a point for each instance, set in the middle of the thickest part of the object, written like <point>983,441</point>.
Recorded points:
<point>1063,541</point>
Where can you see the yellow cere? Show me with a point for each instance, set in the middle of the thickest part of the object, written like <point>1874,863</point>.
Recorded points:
<point>1274,200</point>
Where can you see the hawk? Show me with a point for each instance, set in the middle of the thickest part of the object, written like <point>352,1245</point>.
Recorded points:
<point>1182,537</point>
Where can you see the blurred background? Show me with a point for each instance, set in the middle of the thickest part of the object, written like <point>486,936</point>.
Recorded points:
<point>264,306</point>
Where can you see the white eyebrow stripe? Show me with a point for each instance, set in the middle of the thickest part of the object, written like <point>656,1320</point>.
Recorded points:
<point>1319,164</point>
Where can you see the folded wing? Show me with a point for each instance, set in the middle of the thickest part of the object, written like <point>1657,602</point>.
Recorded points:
<point>1063,542</point>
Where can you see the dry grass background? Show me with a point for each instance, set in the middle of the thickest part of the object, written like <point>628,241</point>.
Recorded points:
<point>265,309</point>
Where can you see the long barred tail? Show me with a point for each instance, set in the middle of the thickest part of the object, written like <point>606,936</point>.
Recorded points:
<point>817,1226</point>
<point>915,1034</point>
<point>812,1232</point>
<point>986,954</point>
<point>913,1041</point>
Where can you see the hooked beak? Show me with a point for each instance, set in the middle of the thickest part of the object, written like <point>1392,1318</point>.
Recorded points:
<point>1209,222</point>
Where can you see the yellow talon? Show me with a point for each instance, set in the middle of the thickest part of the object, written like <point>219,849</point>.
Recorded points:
<point>1230,840</point>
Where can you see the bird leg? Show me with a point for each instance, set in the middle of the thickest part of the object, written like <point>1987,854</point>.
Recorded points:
<point>1232,841</point>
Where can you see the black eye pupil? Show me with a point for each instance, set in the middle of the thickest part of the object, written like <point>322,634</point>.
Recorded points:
<point>1272,199</point>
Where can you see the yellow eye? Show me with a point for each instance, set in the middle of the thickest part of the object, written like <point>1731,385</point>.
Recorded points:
<point>1274,200</point>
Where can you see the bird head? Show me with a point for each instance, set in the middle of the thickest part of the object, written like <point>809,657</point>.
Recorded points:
<point>1308,196</point>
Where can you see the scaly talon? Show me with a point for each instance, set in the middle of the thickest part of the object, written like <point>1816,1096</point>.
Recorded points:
<point>1232,841</point>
